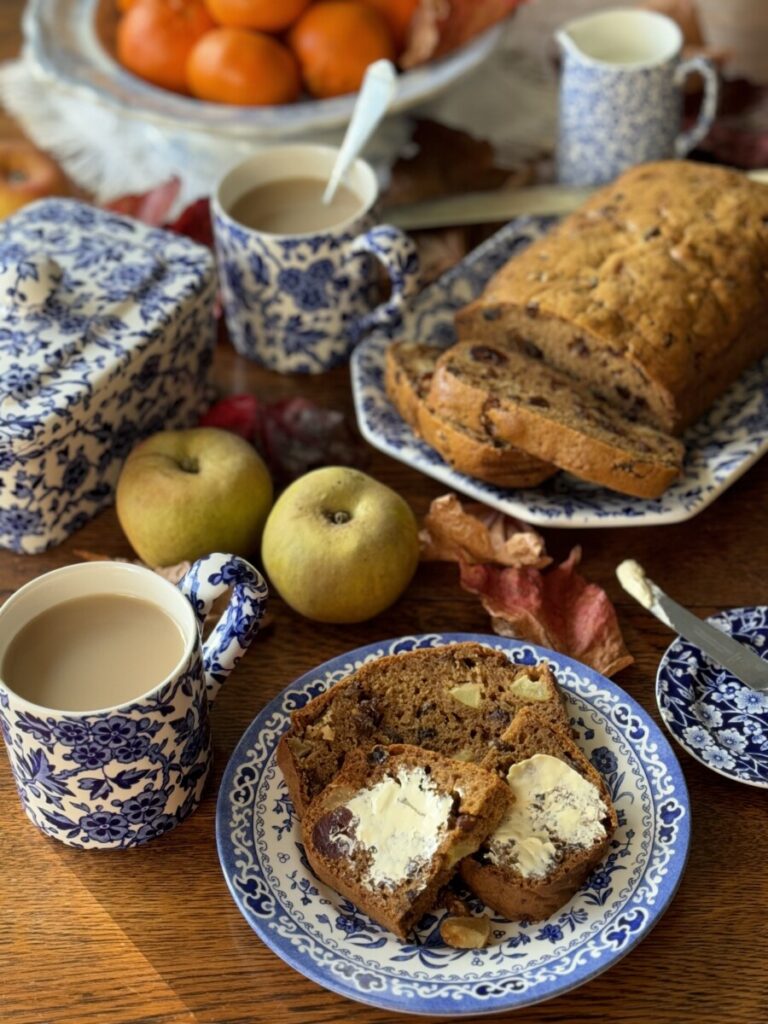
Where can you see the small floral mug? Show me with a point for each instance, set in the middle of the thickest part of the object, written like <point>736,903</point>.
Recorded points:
<point>117,777</point>
<point>300,303</point>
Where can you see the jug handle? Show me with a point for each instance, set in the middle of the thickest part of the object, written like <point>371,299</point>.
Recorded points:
<point>703,66</point>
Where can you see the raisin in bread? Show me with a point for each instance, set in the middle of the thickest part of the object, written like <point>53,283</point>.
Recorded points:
<point>497,388</point>
<point>557,828</point>
<point>653,293</point>
<point>388,832</point>
<point>408,371</point>
<point>456,699</point>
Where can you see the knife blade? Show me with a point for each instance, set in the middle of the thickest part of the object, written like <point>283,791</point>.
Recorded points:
<point>738,659</point>
<point>497,206</point>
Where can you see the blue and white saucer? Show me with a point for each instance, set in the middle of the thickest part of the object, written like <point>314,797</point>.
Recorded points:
<point>718,720</point>
<point>326,938</point>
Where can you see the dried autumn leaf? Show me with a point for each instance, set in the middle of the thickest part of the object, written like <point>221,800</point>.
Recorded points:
<point>557,609</point>
<point>440,26</point>
<point>152,207</point>
<point>471,532</point>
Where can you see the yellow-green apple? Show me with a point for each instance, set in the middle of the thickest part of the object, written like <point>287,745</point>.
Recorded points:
<point>339,546</point>
<point>26,174</point>
<point>186,493</point>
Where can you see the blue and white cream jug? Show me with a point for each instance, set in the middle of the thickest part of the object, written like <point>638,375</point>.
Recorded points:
<point>621,94</point>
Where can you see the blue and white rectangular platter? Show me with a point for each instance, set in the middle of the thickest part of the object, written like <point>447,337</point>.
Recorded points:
<point>720,447</point>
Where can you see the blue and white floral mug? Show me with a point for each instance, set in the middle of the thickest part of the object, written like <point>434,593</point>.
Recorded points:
<point>117,777</point>
<point>621,94</point>
<point>300,303</point>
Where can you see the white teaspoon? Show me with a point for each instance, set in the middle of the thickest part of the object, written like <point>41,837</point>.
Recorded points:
<point>372,103</point>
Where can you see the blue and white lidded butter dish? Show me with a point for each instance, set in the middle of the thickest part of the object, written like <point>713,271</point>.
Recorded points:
<point>106,336</point>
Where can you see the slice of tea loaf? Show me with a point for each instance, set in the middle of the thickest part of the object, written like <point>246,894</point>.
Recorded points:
<point>457,699</point>
<point>549,414</point>
<point>653,293</point>
<point>408,372</point>
<point>388,832</point>
<point>557,827</point>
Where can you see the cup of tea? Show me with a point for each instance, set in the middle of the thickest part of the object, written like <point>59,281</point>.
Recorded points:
<point>621,94</point>
<point>105,693</point>
<point>298,278</point>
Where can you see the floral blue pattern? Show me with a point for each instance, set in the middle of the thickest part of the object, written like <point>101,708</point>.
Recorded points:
<point>720,446</point>
<point>325,937</point>
<point>716,718</point>
<point>106,336</point>
<point>300,304</point>
<point>119,777</point>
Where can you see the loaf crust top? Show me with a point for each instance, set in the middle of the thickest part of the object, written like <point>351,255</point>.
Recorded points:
<point>665,266</point>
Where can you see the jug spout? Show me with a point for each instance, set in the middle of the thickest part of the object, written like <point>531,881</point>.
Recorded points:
<point>565,40</point>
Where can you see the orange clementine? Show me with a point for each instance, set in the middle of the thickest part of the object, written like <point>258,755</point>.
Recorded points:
<point>155,37</point>
<point>264,15</point>
<point>398,15</point>
<point>335,41</point>
<point>233,65</point>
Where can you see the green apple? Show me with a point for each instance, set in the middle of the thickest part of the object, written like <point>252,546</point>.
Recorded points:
<point>339,546</point>
<point>186,493</point>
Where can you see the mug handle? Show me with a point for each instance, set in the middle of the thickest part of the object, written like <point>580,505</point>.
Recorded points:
<point>232,636</point>
<point>400,258</point>
<point>686,141</point>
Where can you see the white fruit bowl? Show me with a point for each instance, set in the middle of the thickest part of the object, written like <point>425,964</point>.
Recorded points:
<point>69,43</point>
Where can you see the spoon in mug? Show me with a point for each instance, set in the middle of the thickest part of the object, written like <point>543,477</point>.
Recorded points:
<point>373,101</point>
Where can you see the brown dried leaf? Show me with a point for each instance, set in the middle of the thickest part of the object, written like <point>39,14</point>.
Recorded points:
<point>471,532</point>
<point>439,26</point>
<point>558,609</point>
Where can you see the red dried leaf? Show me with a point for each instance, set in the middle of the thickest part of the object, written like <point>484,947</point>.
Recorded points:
<point>439,26</point>
<point>151,207</point>
<point>298,436</point>
<point>194,221</point>
<point>240,414</point>
<point>293,435</point>
<point>470,532</point>
<point>557,609</point>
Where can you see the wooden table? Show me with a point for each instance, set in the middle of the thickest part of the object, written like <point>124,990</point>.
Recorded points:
<point>152,936</point>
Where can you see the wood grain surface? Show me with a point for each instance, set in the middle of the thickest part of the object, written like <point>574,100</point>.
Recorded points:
<point>151,936</point>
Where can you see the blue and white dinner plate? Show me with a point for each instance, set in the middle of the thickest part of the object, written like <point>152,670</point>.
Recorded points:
<point>720,446</point>
<point>717,719</point>
<point>324,936</point>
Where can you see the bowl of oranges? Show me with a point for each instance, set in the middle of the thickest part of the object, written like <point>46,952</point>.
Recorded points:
<point>256,68</point>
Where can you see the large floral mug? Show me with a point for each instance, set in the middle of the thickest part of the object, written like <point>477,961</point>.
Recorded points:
<point>117,777</point>
<point>300,303</point>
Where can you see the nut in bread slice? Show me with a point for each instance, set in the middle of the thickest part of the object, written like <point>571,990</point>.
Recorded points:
<point>388,832</point>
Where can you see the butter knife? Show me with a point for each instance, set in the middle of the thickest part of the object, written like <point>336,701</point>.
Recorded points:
<point>497,206</point>
<point>738,659</point>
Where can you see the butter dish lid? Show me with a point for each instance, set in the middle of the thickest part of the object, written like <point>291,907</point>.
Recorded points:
<point>85,294</point>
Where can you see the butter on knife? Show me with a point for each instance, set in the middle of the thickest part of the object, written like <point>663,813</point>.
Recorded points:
<point>738,659</point>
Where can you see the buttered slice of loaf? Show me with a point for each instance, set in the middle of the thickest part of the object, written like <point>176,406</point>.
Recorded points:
<point>550,415</point>
<point>557,827</point>
<point>457,699</point>
<point>388,832</point>
<point>408,372</point>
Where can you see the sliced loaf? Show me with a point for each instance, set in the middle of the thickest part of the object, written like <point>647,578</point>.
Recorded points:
<point>653,293</point>
<point>557,828</point>
<point>408,372</point>
<point>497,388</point>
<point>388,832</point>
<point>457,699</point>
